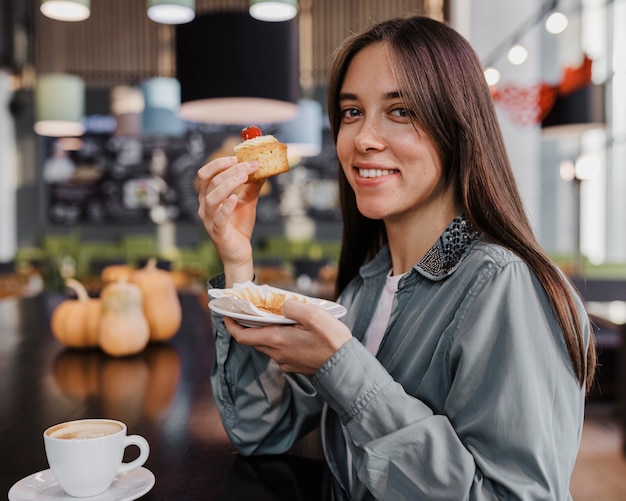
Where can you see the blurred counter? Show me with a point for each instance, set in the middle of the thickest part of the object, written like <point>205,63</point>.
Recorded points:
<point>20,283</point>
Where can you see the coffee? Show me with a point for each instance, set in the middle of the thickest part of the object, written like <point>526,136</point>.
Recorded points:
<point>80,430</point>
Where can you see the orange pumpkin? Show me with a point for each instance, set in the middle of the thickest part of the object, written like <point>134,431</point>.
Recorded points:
<point>76,322</point>
<point>115,273</point>
<point>161,305</point>
<point>123,328</point>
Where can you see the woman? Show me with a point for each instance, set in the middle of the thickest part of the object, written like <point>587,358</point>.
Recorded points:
<point>461,368</point>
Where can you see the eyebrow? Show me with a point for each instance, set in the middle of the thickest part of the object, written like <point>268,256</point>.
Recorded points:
<point>347,96</point>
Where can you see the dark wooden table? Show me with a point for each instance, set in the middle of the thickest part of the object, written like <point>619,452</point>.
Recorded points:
<point>163,394</point>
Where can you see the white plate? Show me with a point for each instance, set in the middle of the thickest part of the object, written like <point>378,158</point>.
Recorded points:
<point>229,308</point>
<point>42,486</point>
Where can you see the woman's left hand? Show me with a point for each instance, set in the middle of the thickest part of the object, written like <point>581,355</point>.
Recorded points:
<point>301,348</point>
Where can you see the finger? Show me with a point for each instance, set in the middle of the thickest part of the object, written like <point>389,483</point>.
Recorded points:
<point>229,181</point>
<point>205,175</point>
<point>210,169</point>
<point>303,313</point>
<point>218,190</point>
<point>311,317</point>
<point>249,336</point>
<point>223,170</point>
<point>234,328</point>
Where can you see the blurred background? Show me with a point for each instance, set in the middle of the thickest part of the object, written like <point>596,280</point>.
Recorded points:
<point>152,99</point>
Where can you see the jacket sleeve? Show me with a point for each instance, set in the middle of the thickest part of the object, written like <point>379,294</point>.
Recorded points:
<point>512,419</point>
<point>263,409</point>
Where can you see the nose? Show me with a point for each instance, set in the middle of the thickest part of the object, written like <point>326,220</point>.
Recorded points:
<point>369,137</point>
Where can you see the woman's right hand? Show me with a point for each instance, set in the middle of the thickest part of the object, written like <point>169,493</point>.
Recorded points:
<point>227,208</point>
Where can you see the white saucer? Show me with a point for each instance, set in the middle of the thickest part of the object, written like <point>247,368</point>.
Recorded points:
<point>42,486</point>
<point>235,303</point>
<point>230,308</point>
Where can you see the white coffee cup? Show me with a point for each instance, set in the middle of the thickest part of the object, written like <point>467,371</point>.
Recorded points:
<point>86,455</point>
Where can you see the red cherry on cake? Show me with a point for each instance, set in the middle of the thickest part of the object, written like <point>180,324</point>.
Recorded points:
<point>250,133</point>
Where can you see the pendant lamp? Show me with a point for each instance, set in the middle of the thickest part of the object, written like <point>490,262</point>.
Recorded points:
<point>303,134</point>
<point>273,10</point>
<point>576,112</point>
<point>59,105</point>
<point>66,10</point>
<point>161,97</point>
<point>127,105</point>
<point>236,70</point>
<point>171,11</point>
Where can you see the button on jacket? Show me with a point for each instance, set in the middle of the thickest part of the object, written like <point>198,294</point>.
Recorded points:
<point>471,395</point>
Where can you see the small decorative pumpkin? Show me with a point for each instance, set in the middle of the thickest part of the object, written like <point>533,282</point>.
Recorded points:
<point>115,273</point>
<point>75,322</point>
<point>161,305</point>
<point>123,328</point>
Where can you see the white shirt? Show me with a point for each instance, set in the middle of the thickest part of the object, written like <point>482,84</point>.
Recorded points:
<point>376,330</point>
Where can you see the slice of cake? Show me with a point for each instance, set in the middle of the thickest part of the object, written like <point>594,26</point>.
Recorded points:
<point>270,153</point>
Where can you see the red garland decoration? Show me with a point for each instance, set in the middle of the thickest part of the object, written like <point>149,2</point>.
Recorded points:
<point>528,106</point>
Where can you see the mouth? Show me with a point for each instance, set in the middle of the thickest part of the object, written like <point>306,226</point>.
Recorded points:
<point>370,173</point>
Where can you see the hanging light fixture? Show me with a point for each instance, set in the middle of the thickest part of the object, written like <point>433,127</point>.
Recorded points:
<point>492,76</point>
<point>251,77</point>
<point>66,10</point>
<point>303,134</point>
<point>171,11</point>
<point>517,54</point>
<point>575,113</point>
<point>556,23</point>
<point>59,105</point>
<point>127,104</point>
<point>273,10</point>
<point>161,97</point>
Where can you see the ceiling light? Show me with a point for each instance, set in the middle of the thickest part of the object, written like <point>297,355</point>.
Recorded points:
<point>575,113</point>
<point>66,10</point>
<point>59,105</point>
<point>556,23</point>
<point>303,134</point>
<point>518,54</point>
<point>586,166</point>
<point>126,99</point>
<point>127,104</point>
<point>492,76</point>
<point>161,97</point>
<point>261,87</point>
<point>70,143</point>
<point>273,10</point>
<point>171,11</point>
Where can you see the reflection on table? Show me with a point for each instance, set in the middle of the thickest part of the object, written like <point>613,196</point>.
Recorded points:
<point>164,394</point>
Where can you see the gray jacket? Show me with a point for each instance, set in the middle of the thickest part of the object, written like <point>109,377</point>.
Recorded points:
<point>470,396</point>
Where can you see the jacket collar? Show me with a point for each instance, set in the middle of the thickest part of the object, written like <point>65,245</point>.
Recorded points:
<point>443,257</point>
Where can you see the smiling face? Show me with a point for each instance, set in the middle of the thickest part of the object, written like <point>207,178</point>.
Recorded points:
<point>393,167</point>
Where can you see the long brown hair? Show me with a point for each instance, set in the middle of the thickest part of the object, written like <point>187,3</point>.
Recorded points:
<point>442,82</point>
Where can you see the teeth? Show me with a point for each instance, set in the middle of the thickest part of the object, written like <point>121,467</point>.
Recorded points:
<point>374,172</point>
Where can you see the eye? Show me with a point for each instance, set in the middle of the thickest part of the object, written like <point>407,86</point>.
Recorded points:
<point>404,113</point>
<point>347,113</point>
